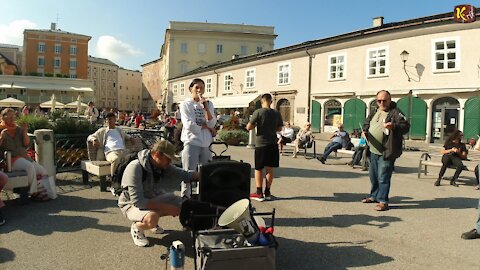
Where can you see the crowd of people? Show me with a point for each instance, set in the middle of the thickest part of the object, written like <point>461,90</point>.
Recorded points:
<point>143,199</point>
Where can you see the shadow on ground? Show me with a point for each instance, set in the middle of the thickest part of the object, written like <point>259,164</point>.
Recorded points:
<point>6,255</point>
<point>313,173</point>
<point>48,220</point>
<point>338,221</point>
<point>294,254</point>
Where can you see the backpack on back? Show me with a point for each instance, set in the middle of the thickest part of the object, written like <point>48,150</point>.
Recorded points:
<point>119,169</point>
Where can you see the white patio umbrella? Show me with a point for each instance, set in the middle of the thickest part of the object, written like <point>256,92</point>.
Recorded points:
<point>11,102</point>
<point>74,104</point>
<point>52,103</point>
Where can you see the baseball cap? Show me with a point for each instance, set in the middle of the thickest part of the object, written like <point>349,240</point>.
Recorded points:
<point>166,148</point>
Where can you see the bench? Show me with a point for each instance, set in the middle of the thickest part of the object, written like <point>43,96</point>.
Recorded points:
<point>314,146</point>
<point>355,142</point>
<point>434,158</point>
<point>101,168</point>
<point>18,182</point>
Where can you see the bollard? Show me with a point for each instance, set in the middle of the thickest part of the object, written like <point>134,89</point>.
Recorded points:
<point>45,150</point>
<point>177,255</point>
<point>251,139</point>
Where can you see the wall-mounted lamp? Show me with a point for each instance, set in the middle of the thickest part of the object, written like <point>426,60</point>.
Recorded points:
<point>404,56</point>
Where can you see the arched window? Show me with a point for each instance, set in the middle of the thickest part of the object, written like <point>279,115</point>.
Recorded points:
<point>333,112</point>
<point>283,106</point>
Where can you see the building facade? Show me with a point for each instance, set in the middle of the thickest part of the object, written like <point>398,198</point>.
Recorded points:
<point>335,80</point>
<point>130,95</point>
<point>191,45</point>
<point>151,84</point>
<point>10,59</point>
<point>55,53</point>
<point>104,75</point>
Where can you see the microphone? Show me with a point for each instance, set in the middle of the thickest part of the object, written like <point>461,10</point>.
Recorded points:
<point>205,102</point>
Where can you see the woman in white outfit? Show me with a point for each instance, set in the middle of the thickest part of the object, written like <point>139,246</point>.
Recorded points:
<point>198,130</point>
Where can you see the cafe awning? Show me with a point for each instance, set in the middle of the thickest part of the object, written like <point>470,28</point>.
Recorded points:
<point>235,101</point>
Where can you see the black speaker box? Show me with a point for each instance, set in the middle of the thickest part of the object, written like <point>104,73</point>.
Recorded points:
<point>224,182</point>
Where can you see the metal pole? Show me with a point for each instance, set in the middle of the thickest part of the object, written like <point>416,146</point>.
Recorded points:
<point>409,112</point>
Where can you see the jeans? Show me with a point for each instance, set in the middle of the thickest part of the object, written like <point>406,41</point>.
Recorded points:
<point>380,172</point>
<point>193,155</point>
<point>478,220</point>
<point>357,156</point>
<point>330,148</point>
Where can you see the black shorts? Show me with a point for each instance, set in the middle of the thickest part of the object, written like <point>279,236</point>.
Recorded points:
<point>266,156</point>
<point>286,140</point>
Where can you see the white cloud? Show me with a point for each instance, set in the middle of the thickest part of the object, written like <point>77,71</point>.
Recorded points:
<point>113,49</point>
<point>13,33</point>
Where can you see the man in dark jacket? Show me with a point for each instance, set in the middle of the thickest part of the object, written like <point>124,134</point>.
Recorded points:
<point>384,130</point>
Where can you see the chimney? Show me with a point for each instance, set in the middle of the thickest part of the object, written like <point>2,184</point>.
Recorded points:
<point>53,26</point>
<point>377,21</point>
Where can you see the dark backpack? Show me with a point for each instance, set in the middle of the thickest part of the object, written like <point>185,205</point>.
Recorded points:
<point>119,169</point>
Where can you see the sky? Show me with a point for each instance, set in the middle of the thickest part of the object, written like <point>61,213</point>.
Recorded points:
<point>131,33</point>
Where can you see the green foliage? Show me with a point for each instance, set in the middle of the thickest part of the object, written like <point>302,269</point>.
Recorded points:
<point>58,75</point>
<point>73,126</point>
<point>34,122</point>
<point>17,72</point>
<point>48,75</point>
<point>233,137</point>
<point>232,124</point>
<point>57,114</point>
<point>34,74</point>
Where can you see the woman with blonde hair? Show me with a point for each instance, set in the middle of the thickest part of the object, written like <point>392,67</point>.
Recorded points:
<point>304,139</point>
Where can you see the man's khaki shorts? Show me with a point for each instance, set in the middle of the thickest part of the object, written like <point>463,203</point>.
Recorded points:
<point>134,213</point>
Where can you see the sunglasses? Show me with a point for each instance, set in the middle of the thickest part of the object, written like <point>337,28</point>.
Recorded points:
<point>381,100</point>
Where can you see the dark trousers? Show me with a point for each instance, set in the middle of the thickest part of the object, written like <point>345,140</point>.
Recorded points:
<point>449,160</point>
<point>330,148</point>
<point>357,156</point>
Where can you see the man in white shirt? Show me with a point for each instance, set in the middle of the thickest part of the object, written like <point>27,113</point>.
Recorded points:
<point>110,141</point>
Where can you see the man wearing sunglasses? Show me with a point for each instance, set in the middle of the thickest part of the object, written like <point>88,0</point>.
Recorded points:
<point>384,130</point>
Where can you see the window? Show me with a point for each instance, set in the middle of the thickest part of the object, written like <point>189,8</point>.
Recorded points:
<point>377,62</point>
<point>202,48</point>
<point>250,78</point>
<point>228,79</point>
<point>41,47</point>
<point>208,85</point>
<point>182,89</point>
<point>175,90</point>
<point>183,67</point>
<point>183,47</point>
<point>243,50</point>
<point>336,67</point>
<point>58,48</point>
<point>446,54</point>
<point>259,49</point>
<point>219,48</point>
<point>73,63</point>
<point>57,62</point>
<point>41,61</point>
<point>283,73</point>
<point>73,49</point>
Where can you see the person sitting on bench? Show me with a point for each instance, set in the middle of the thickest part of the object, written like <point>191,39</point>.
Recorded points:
<point>339,138</point>
<point>357,155</point>
<point>453,152</point>
<point>109,140</point>
<point>285,136</point>
<point>304,139</point>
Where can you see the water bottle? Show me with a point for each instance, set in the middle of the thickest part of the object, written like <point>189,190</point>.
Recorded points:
<point>177,255</point>
<point>8,158</point>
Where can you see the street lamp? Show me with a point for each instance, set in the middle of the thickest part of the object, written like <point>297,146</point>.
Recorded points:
<point>404,56</point>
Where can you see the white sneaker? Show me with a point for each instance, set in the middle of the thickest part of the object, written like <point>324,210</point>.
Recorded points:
<point>157,230</point>
<point>138,236</point>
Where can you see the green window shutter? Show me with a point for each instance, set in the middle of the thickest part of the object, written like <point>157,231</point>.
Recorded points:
<point>471,124</point>
<point>354,113</point>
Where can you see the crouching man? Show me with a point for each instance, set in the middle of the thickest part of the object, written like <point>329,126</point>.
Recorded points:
<point>144,199</point>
